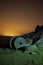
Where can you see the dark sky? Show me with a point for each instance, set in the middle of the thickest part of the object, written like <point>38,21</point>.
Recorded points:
<point>20,16</point>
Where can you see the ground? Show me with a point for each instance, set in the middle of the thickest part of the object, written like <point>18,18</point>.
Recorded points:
<point>12,57</point>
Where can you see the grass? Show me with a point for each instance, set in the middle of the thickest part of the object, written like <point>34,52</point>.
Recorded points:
<point>12,57</point>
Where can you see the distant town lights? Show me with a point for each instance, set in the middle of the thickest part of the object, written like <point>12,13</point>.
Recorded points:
<point>11,34</point>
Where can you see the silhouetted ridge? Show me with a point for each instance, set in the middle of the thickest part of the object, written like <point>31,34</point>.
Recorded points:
<point>39,29</point>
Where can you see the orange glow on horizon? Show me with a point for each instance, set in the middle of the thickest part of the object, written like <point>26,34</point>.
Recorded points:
<point>8,34</point>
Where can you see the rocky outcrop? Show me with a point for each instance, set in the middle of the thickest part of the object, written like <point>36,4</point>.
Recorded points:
<point>39,29</point>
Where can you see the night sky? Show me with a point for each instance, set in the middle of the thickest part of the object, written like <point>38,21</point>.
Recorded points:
<point>20,16</point>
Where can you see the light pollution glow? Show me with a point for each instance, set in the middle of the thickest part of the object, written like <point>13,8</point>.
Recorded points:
<point>20,18</point>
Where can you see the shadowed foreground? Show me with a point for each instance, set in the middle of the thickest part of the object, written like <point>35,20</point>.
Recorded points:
<point>11,57</point>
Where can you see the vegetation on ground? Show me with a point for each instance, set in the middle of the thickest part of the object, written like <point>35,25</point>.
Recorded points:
<point>12,57</point>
